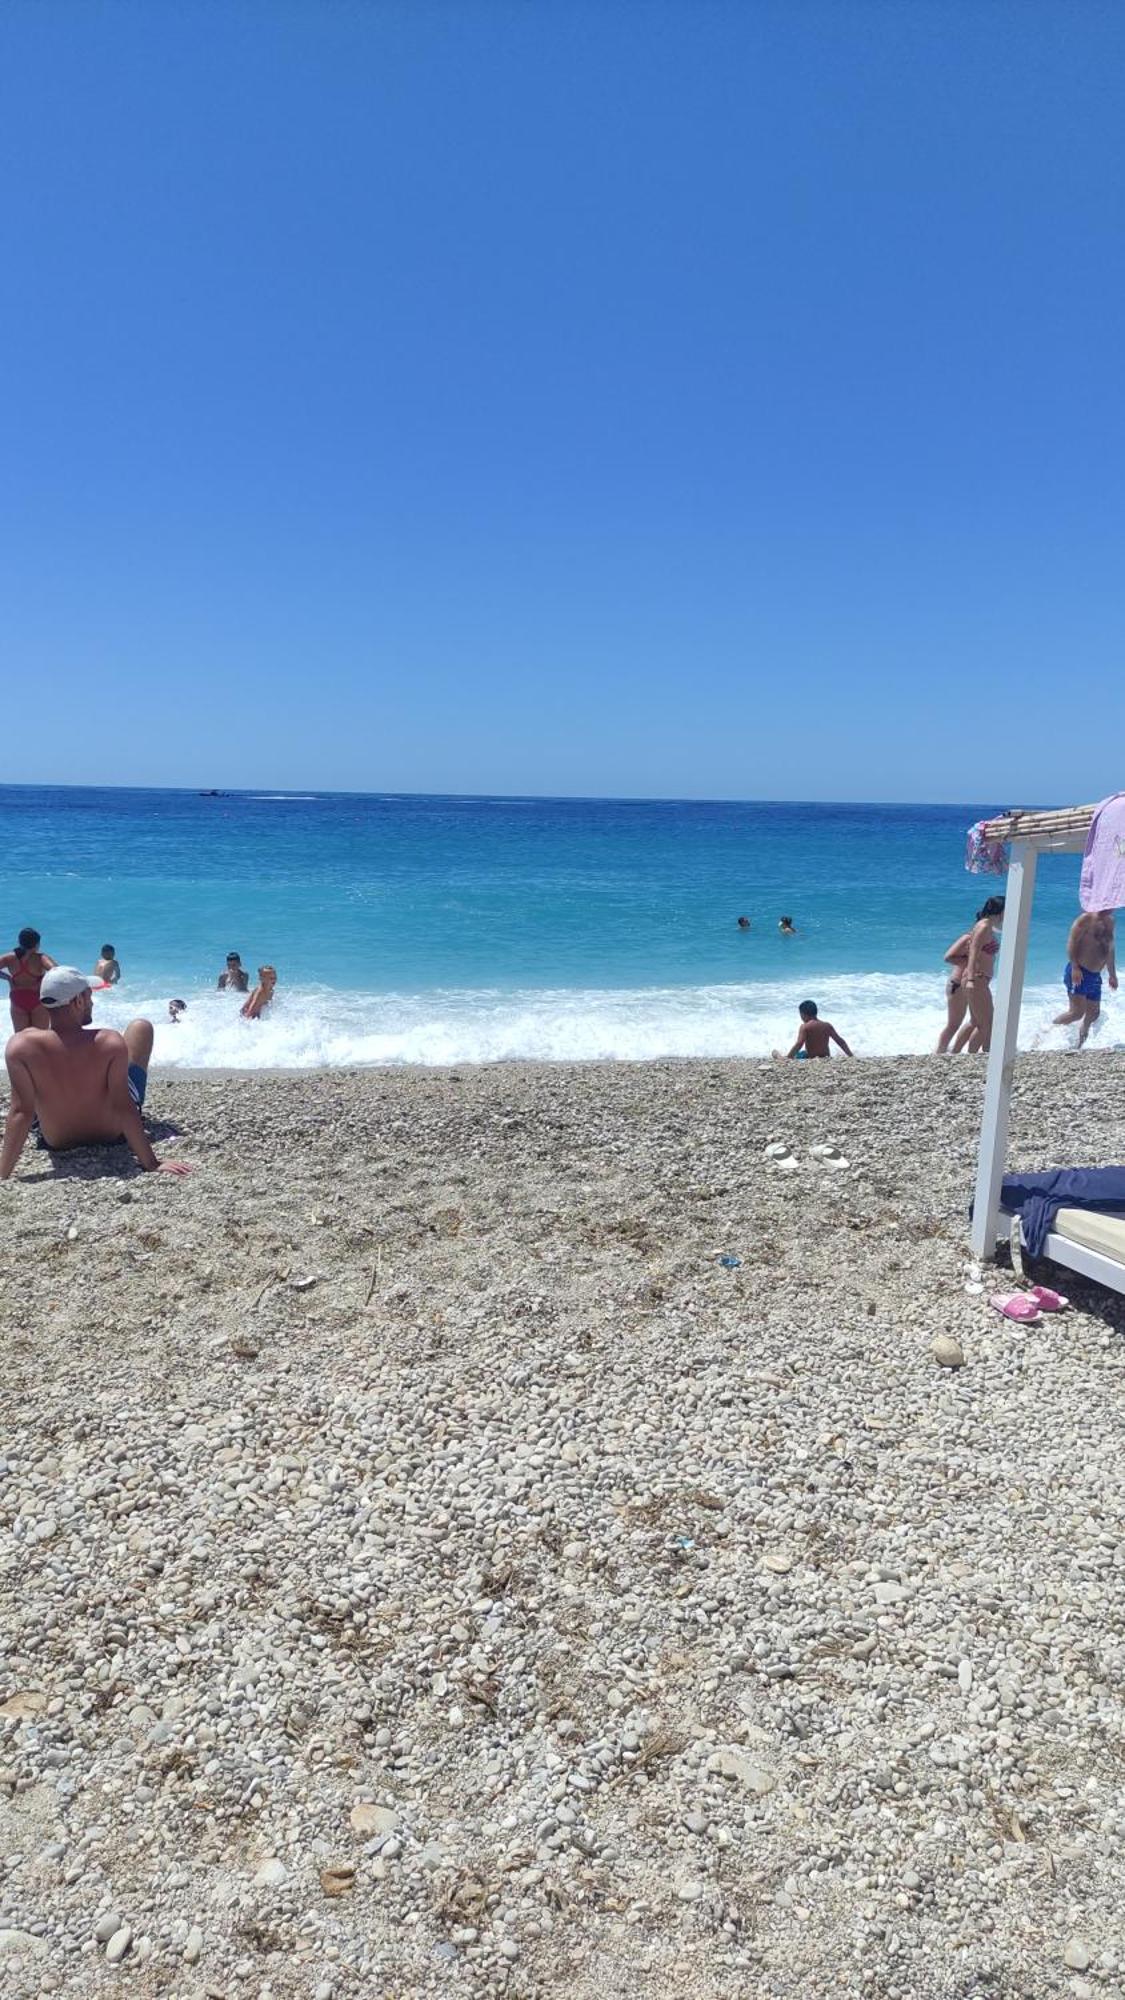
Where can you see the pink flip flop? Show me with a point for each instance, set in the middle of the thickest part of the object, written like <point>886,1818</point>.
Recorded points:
<point>1014,1305</point>
<point>1047,1300</point>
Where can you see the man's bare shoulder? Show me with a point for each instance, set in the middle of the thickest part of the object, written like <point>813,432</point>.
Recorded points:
<point>106,1040</point>
<point>24,1043</point>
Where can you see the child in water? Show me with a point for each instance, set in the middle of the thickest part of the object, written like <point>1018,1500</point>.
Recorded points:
<point>255,1007</point>
<point>175,1009</point>
<point>814,1036</point>
<point>107,968</point>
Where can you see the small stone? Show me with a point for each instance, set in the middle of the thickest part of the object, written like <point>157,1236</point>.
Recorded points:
<point>369,1819</point>
<point>118,1945</point>
<point>965,1675</point>
<point>193,1944</point>
<point>271,1874</point>
<point>689,1890</point>
<point>105,1926</point>
<point>743,1770</point>
<point>778,1561</point>
<point>27,1702</point>
<point>1077,1955</point>
<point>948,1352</point>
<point>338,1880</point>
<point>21,1944</point>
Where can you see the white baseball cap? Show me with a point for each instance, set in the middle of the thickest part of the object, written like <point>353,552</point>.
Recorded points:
<point>63,984</point>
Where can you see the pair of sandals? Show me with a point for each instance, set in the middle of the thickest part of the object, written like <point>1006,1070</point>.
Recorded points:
<point>1029,1305</point>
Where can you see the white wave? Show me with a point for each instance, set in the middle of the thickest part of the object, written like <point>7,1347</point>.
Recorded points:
<point>282,798</point>
<point>879,1015</point>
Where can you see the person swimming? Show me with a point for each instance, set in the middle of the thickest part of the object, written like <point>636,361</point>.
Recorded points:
<point>234,978</point>
<point>24,969</point>
<point>175,1009</point>
<point>255,1007</point>
<point>107,968</point>
<point>744,923</point>
<point>787,927</point>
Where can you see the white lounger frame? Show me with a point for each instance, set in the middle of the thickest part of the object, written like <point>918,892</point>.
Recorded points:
<point>1031,834</point>
<point>1074,1256</point>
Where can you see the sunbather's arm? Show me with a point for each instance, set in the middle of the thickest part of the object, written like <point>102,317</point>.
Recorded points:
<point>839,1041</point>
<point>21,1112</point>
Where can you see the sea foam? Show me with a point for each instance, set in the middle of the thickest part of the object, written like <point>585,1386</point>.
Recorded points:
<point>879,1014</point>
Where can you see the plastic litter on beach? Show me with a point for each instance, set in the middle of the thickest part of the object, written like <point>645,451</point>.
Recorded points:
<point>731,1263</point>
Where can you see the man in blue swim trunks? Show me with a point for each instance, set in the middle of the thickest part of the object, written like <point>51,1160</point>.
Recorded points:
<point>82,1086</point>
<point>1089,953</point>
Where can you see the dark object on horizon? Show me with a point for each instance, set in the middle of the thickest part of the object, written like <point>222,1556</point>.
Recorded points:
<point>214,795</point>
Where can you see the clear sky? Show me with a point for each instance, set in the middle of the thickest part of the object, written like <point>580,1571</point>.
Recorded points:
<point>628,397</point>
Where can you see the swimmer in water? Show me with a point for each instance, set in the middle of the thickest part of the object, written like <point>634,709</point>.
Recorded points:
<point>743,923</point>
<point>234,978</point>
<point>175,1009</point>
<point>255,1007</point>
<point>107,968</point>
<point>787,927</point>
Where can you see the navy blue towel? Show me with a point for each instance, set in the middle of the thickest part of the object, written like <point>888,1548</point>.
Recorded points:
<point>1037,1198</point>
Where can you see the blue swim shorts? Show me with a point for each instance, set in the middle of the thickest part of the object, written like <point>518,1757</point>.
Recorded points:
<point>138,1083</point>
<point>1089,987</point>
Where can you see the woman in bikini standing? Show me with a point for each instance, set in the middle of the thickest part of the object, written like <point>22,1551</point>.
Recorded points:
<point>23,968</point>
<point>956,997</point>
<point>979,967</point>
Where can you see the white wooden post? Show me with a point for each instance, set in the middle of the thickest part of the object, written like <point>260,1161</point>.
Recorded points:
<point>1002,1053</point>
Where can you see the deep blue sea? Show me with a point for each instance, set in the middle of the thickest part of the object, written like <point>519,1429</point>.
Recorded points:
<point>437,930</point>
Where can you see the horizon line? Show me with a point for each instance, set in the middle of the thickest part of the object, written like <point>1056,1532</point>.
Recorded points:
<point>544,798</point>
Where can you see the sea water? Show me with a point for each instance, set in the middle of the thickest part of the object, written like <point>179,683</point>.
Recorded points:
<point>458,930</point>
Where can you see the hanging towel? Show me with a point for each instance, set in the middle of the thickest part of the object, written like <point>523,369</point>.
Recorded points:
<point>1102,884</point>
<point>984,856</point>
<point>1037,1198</point>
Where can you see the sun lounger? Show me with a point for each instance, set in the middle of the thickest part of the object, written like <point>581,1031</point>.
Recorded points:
<point>1082,1241</point>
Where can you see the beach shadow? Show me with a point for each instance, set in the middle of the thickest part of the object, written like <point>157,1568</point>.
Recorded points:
<point>98,1163</point>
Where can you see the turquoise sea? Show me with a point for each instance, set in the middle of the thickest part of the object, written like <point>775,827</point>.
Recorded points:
<point>436,930</point>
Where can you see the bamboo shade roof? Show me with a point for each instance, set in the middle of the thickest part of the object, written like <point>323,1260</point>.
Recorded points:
<point>1046,829</point>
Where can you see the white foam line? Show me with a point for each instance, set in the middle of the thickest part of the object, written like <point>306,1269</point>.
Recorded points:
<point>879,1014</point>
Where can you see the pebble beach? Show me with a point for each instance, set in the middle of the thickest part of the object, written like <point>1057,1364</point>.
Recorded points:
<point>428,1568</point>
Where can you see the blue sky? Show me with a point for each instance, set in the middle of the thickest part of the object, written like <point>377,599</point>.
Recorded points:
<point>660,399</point>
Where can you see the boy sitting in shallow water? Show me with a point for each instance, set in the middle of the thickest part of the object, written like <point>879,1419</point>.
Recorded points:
<point>814,1036</point>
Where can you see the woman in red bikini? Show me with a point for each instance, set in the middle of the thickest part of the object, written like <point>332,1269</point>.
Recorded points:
<point>23,968</point>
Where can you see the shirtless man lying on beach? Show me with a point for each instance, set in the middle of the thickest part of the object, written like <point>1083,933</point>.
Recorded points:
<point>1089,953</point>
<point>85,1085</point>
